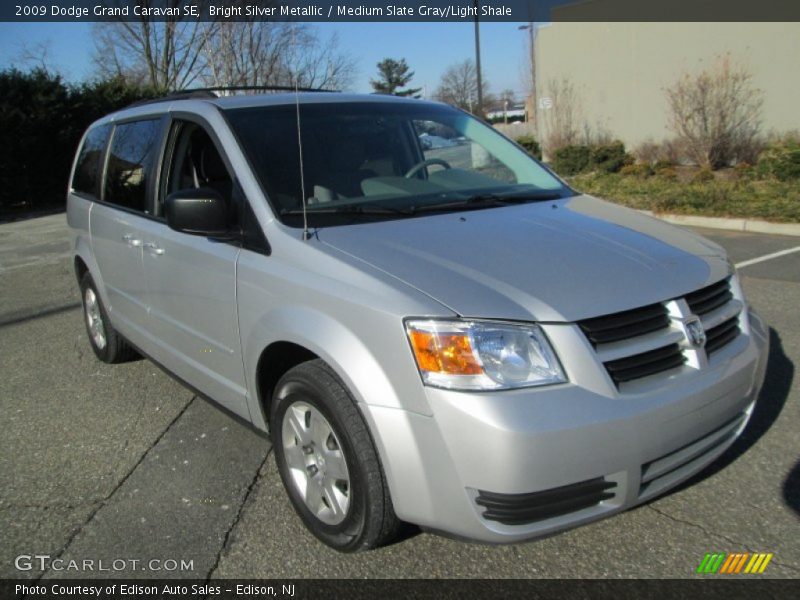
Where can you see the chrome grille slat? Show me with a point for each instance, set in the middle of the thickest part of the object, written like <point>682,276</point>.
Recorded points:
<point>638,345</point>
<point>721,314</point>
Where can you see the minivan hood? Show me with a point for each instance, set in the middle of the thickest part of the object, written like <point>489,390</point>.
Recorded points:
<point>562,260</point>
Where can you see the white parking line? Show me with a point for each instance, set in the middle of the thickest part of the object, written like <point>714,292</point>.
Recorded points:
<point>753,261</point>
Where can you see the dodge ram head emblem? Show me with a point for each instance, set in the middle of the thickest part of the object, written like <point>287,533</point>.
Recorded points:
<point>694,331</point>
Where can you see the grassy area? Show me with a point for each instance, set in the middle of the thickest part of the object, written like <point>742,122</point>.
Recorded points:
<point>770,200</point>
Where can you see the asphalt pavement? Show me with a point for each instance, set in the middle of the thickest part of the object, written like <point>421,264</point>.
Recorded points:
<point>112,463</point>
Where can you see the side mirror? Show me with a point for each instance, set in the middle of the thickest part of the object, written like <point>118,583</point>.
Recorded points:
<point>200,211</point>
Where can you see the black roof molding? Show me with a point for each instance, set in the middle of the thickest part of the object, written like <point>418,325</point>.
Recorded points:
<point>212,92</point>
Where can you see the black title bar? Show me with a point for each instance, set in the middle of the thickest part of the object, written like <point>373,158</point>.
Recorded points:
<point>402,10</point>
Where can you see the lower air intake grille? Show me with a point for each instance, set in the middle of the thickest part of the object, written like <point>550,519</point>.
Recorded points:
<point>647,363</point>
<point>520,509</point>
<point>721,335</point>
<point>659,474</point>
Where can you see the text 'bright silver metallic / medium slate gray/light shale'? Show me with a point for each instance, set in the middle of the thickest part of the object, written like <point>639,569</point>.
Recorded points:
<point>431,325</point>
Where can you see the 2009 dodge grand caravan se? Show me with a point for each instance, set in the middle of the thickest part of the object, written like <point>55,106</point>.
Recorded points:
<point>431,325</point>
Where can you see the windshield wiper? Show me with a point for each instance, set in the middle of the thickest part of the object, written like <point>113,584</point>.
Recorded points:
<point>486,200</point>
<point>349,209</point>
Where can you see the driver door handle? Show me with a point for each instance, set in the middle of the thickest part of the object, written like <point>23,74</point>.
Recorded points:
<point>131,241</point>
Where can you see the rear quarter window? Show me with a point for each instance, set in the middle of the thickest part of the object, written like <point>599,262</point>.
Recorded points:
<point>88,168</point>
<point>131,159</point>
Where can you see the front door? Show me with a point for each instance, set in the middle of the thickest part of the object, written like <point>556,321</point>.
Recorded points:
<point>191,280</point>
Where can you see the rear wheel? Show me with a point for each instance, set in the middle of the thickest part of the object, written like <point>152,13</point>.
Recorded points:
<point>328,462</point>
<point>108,345</point>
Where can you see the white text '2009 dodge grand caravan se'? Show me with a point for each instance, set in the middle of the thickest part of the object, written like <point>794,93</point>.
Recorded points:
<point>432,326</point>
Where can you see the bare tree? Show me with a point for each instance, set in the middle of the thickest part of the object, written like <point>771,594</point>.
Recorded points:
<point>166,54</point>
<point>257,53</point>
<point>38,56</point>
<point>459,86</point>
<point>716,113</point>
<point>319,63</point>
<point>562,119</point>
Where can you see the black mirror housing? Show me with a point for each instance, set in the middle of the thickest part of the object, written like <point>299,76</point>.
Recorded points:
<point>199,211</point>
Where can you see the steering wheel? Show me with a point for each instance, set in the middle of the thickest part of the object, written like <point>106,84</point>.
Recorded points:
<point>426,163</point>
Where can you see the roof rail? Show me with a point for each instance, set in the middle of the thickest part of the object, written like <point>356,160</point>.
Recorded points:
<point>209,92</point>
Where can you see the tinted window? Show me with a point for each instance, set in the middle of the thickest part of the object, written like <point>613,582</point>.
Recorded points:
<point>195,163</point>
<point>133,151</point>
<point>87,169</point>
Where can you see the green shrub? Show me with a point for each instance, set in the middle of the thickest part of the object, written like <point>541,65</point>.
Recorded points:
<point>641,170</point>
<point>531,146</point>
<point>780,161</point>
<point>769,199</point>
<point>668,174</point>
<point>610,158</point>
<point>703,175</point>
<point>571,160</point>
<point>663,164</point>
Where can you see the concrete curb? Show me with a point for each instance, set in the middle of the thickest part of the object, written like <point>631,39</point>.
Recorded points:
<point>749,225</point>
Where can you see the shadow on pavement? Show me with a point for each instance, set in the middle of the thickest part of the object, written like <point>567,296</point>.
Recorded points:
<point>23,316</point>
<point>791,489</point>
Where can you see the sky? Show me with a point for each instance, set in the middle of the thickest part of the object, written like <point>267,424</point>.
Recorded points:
<point>427,47</point>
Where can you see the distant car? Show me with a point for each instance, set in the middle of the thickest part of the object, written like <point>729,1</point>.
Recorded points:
<point>476,348</point>
<point>430,142</point>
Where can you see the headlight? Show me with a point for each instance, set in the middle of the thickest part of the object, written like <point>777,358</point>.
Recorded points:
<point>482,355</point>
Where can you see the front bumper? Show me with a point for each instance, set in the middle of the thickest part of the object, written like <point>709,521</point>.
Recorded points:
<point>508,446</point>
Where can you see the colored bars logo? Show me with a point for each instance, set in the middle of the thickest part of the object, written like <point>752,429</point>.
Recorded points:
<point>735,563</point>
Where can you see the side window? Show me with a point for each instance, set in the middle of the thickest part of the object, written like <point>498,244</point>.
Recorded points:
<point>87,169</point>
<point>195,163</point>
<point>130,163</point>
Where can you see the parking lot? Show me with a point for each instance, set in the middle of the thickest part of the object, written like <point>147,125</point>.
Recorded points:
<point>121,462</point>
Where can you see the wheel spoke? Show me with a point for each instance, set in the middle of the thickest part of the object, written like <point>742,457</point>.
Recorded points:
<point>296,422</point>
<point>335,466</point>
<point>314,494</point>
<point>295,457</point>
<point>320,430</point>
<point>337,501</point>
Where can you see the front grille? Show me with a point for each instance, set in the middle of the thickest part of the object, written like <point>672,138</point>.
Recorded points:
<point>709,298</point>
<point>521,509</point>
<point>641,342</point>
<point>663,472</point>
<point>625,325</point>
<point>647,363</point>
<point>721,335</point>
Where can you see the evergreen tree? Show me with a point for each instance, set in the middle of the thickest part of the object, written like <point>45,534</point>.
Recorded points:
<point>393,75</point>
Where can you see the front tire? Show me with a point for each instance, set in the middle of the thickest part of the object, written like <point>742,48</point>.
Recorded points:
<point>328,462</point>
<point>108,345</point>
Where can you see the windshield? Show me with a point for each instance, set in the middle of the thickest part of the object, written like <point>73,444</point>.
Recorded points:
<point>372,161</point>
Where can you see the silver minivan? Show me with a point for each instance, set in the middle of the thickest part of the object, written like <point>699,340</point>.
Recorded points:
<point>443,334</point>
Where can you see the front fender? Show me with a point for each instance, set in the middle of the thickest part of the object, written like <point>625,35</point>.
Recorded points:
<point>331,340</point>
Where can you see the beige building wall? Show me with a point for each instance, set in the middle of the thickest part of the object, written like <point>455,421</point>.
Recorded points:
<point>621,69</point>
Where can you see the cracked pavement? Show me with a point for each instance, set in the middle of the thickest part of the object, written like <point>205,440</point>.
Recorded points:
<point>121,462</point>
